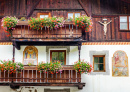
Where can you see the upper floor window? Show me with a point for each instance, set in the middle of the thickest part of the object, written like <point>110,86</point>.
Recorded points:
<point>58,55</point>
<point>124,22</point>
<point>43,15</point>
<point>73,15</point>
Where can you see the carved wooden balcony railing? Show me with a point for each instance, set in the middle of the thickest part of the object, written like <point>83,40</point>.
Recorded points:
<point>69,32</point>
<point>30,76</point>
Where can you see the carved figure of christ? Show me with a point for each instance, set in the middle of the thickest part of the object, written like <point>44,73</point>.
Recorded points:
<point>105,26</point>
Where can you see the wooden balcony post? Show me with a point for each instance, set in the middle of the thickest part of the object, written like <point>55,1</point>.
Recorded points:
<point>13,51</point>
<point>0,75</point>
<point>79,48</point>
<point>40,76</point>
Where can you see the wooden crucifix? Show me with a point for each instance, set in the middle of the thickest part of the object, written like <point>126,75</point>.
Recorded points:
<point>105,25</point>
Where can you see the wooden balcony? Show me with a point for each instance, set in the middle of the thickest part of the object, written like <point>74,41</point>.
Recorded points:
<point>69,34</point>
<point>30,76</point>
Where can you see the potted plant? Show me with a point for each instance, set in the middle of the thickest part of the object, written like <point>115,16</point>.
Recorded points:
<point>23,19</point>
<point>82,67</point>
<point>8,23</point>
<point>30,64</point>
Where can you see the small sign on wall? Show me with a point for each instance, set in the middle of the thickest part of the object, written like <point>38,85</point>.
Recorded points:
<point>120,64</point>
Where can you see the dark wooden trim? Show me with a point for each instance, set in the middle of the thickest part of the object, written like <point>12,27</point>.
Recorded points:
<point>79,85</point>
<point>31,12</point>
<point>82,5</point>
<point>59,9</point>
<point>127,1</point>
<point>58,51</point>
<point>18,16</point>
<point>16,45</point>
<point>103,16</point>
<point>56,90</point>
<point>79,48</point>
<point>13,52</point>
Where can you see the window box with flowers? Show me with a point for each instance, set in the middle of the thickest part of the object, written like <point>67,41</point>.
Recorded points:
<point>52,68</point>
<point>84,22</point>
<point>51,22</point>
<point>8,65</point>
<point>82,67</point>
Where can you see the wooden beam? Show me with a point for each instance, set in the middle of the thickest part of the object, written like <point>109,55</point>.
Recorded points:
<point>16,45</point>
<point>54,9</point>
<point>103,16</point>
<point>17,85</point>
<point>127,1</point>
<point>18,16</point>
<point>31,12</point>
<point>82,5</point>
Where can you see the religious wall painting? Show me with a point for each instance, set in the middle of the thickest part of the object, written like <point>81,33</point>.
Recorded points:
<point>120,64</point>
<point>30,55</point>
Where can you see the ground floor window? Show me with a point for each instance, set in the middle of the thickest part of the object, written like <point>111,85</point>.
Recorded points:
<point>58,55</point>
<point>99,63</point>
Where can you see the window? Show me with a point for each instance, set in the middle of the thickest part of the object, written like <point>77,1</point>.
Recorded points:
<point>124,22</point>
<point>44,15</point>
<point>58,55</point>
<point>99,63</point>
<point>73,15</point>
<point>30,55</point>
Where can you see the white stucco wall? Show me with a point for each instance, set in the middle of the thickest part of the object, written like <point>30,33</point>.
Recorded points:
<point>6,52</point>
<point>94,83</point>
<point>105,83</point>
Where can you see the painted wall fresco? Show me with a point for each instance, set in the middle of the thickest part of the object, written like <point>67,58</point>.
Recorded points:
<point>30,55</point>
<point>120,64</point>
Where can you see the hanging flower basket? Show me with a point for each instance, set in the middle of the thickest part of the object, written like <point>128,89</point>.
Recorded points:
<point>9,23</point>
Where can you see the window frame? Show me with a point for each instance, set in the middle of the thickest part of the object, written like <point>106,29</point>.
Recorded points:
<point>58,51</point>
<point>73,14</point>
<point>128,28</point>
<point>43,13</point>
<point>99,63</point>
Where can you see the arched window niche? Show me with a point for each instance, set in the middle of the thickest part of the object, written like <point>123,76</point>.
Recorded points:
<point>30,55</point>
